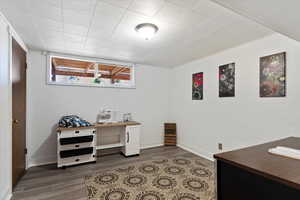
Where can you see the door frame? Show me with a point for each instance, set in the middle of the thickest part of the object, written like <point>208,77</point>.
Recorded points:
<point>9,33</point>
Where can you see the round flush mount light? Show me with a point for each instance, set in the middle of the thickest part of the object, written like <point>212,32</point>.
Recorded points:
<point>146,30</point>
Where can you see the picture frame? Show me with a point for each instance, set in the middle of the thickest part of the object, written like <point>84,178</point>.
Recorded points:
<point>272,75</point>
<point>227,80</point>
<point>197,86</point>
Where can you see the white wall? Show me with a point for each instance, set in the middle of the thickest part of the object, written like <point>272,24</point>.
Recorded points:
<point>165,95</point>
<point>47,103</point>
<point>245,119</point>
<point>5,114</point>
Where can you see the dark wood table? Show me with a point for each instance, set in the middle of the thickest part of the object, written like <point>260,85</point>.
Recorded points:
<point>254,174</point>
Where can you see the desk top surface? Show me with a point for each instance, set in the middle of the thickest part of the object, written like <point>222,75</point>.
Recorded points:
<point>256,159</point>
<point>100,125</point>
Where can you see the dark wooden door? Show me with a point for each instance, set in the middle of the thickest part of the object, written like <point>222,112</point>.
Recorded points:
<point>18,111</point>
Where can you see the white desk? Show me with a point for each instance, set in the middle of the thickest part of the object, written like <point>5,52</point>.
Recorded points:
<point>129,139</point>
<point>79,145</point>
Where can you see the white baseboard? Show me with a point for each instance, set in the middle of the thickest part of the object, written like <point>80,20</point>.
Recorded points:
<point>52,159</point>
<point>43,161</point>
<point>208,156</point>
<point>151,146</point>
<point>6,194</point>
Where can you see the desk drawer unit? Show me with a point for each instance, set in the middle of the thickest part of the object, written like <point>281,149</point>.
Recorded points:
<point>76,146</point>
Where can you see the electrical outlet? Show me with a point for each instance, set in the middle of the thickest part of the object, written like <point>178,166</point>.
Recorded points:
<point>220,146</point>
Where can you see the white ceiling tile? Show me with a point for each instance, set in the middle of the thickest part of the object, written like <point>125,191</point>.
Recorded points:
<point>55,47</point>
<point>96,50</point>
<point>51,3</point>
<point>54,44</point>
<point>73,17</point>
<point>75,29</point>
<point>49,24</point>
<point>101,33</point>
<point>80,6</point>
<point>171,13</point>
<point>118,3</point>
<point>184,3</point>
<point>47,11</point>
<point>73,38</point>
<point>73,46</point>
<point>146,7</point>
<point>92,43</point>
<point>209,9</point>
<point>11,6</point>
<point>103,8</point>
<point>109,53</point>
<point>192,19</point>
<point>107,16</point>
<point>132,19</point>
<point>51,35</point>
<point>115,52</point>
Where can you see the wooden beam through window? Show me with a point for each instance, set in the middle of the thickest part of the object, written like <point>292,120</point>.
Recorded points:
<point>119,77</point>
<point>116,72</point>
<point>72,63</point>
<point>86,65</point>
<point>80,74</point>
<point>109,68</point>
<point>91,75</point>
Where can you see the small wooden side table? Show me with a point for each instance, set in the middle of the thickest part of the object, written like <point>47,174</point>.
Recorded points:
<point>170,134</point>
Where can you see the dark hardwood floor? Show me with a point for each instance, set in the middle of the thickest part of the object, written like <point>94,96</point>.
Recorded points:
<point>48,182</point>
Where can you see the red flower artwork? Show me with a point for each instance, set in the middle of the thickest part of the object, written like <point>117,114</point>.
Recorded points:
<point>197,93</point>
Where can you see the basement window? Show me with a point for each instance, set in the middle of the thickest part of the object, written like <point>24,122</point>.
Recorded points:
<point>88,72</point>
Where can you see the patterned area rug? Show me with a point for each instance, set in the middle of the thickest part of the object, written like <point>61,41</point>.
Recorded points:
<point>166,179</point>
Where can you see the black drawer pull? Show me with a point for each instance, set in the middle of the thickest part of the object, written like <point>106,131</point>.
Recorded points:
<point>77,132</point>
<point>76,152</point>
<point>75,140</point>
<point>77,145</point>
<point>77,160</point>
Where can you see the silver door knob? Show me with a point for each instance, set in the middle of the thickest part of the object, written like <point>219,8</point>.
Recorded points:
<point>15,121</point>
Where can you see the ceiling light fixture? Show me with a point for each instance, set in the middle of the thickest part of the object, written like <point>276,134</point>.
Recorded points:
<point>147,30</point>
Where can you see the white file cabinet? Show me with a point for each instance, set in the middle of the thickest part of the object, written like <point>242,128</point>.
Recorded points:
<point>131,140</point>
<point>76,146</point>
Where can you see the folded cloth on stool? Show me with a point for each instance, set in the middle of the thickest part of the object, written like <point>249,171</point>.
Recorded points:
<point>73,121</point>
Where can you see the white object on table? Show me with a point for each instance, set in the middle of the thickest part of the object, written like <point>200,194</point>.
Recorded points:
<point>285,151</point>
